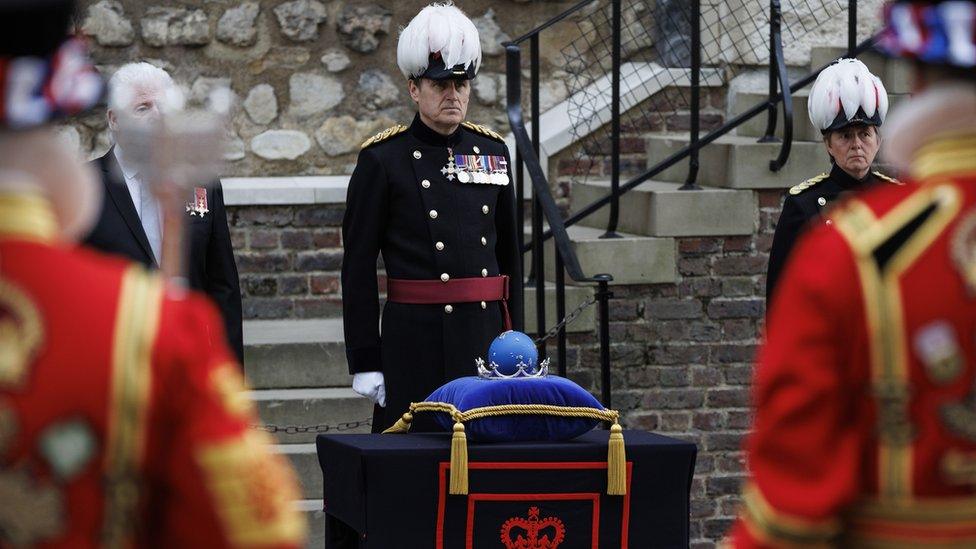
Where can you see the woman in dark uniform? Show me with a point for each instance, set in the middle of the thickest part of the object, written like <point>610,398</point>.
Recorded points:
<point>847,104</point>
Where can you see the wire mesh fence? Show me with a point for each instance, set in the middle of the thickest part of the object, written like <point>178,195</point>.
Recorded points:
<point>656,60</point>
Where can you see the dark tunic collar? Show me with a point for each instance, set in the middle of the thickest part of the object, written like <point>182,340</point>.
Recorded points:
<point>846,181</point>
<point>422,132</point>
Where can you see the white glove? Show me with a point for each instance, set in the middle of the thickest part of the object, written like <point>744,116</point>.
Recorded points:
<point>370,385</point>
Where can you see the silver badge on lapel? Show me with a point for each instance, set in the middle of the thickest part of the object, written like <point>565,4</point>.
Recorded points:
<point>938,349</point>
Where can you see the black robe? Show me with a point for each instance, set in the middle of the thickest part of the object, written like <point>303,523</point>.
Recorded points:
<point>397,185</point>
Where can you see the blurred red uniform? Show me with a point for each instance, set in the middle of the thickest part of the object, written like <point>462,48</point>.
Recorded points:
<point>865,430</point>
<point>122,422</point>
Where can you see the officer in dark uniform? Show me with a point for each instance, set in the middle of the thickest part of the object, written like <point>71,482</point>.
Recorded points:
<point>852,140</point>
<point>436,199</point>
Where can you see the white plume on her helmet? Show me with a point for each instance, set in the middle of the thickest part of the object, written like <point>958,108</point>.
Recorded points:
<point>847,85</point>
<point>438,28</point>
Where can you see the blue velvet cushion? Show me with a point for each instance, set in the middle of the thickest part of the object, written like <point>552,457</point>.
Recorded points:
<point>476,392</point>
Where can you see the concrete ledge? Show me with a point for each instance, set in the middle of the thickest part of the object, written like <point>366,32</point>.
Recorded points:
<point>315,516</point>
<point>631,259</point>
<point>276,332</point>
<point>755,127</point>
<point>270,191</point>
<point>304,459</point>
<point>739,162</point>
<point>660,209</point>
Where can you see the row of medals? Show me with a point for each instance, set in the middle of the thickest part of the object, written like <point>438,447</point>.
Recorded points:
<point>495,178</point>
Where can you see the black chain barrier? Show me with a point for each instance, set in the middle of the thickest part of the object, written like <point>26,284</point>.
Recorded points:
<point>320,428</point>
<point>567,320</point>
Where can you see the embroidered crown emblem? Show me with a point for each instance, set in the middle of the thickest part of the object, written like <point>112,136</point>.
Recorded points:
<point>533,532</point>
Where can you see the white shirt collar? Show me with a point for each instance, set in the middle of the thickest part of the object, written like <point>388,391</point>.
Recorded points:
<point>127,170</point>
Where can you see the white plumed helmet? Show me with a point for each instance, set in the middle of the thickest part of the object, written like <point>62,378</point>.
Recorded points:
<point>439,43</point>
<point>847,93</point>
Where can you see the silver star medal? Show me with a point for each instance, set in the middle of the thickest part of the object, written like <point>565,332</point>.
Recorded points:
<point>451,167</point>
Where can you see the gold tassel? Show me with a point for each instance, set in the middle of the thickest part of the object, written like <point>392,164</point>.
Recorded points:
<point>459,461</point>
<point>402,425</point>
<point>616,462</point>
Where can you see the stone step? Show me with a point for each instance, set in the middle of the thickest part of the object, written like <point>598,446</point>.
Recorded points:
<point>894,73</point>
<point>755,127</point>
<point>631,259</point>
<point>660,209</point>
<point>293,353</point>
<point>738,162</point>
<point>303,407</point>
<point>305,461</point>
<point>315,520</point>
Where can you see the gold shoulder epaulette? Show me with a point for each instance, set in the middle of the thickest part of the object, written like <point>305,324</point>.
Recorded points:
<point>384,135</point>
<point>483,130</point>
<point>797,189</point>
<point>887,178</point>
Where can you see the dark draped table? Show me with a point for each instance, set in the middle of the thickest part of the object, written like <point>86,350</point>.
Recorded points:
<point>390,491</point>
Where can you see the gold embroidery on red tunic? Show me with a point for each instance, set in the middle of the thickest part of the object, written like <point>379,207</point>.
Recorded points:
<point>21,334</point>
<point>253,491</point>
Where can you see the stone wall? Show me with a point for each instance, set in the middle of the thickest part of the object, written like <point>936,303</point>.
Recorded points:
<point>288,259</point>
<point>313,78</point>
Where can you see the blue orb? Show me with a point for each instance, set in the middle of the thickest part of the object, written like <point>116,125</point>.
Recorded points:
<point>510,349</point>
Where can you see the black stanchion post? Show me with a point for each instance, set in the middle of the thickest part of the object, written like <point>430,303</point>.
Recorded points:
<point>560,273</point>
<point>777,60</point>
<point>614,124</point>
<point>538,254</point>
<point>770,134</point>
<point>690,182</point>
<point>513,79</point>
<point>603,296</point>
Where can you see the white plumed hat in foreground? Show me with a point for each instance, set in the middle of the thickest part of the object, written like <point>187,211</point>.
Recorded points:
<point>439,43</point>
<point>847,93</point>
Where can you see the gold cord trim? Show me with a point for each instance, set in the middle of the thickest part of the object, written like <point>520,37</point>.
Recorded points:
<point>137,322</point>
<point>27,216</point>
<point>616,454</point>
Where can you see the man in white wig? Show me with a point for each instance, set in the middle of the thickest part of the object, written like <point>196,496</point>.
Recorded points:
<point>436,199</point>
<point>847,104</point>
<point>130,224</point>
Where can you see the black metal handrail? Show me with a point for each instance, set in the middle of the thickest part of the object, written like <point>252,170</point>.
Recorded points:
<point>545,206</point>
<point>768,106</point>
<point>778,76</point>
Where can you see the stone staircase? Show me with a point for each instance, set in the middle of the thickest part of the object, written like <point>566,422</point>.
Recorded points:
<point>297,372</point>
<point>296,367</point>
<point>731,168</point>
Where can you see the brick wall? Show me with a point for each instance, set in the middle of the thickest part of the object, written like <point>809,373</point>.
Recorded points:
<point>288,258</point>
<point>682,353</point>
<point>682,357</point>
